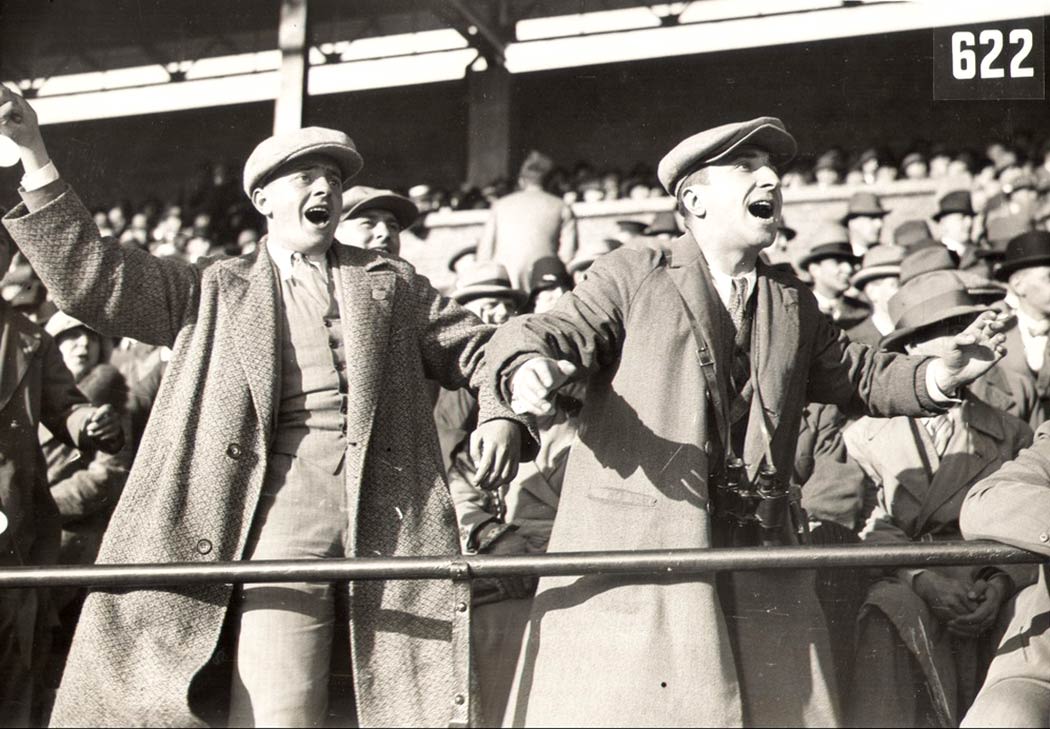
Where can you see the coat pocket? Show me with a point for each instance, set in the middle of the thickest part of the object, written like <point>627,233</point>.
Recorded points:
<point>621,497</point>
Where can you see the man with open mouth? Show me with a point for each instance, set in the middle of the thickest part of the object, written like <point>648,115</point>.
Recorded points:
<point>698,361</point>
<point>293,423</point>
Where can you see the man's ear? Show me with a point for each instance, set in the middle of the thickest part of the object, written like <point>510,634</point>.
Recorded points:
<point>261,201</point>
<point>693,201</point>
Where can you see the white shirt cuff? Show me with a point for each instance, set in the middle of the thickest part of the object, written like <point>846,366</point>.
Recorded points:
<point>935,392</point>
<point>40,178</point>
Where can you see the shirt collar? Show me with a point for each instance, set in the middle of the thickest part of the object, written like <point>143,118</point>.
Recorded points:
<point>724,284</point>
<point>282,258</point>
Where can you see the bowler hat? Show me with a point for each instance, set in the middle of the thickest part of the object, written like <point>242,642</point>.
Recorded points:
<point>486,278</point>
<point>709,146</point>
<point>586,256</point>
<point>866,204</point>
<point>956,201</point>
<point>275,151</point>
<point>879,262</point>
<point>920,303</point>
<point>830,240</point>
<point>548,273</point>
<point>909,234</point>
<point>360,198</point>
<point>1024,251</point>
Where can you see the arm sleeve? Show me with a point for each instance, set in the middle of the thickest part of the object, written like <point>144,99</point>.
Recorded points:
<point>113,289</point>
<point>472,504</point>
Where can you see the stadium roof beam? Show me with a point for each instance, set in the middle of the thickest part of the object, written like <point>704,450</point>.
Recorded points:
<point>491,42</point>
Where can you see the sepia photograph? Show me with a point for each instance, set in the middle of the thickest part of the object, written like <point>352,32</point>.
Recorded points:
<point>524,363</point>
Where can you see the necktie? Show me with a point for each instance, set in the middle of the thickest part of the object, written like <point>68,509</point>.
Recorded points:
<point>940,428</point>
<point>310,279</point>
<point>738,302</point>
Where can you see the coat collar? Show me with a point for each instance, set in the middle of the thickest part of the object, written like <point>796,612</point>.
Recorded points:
<point>20,339</point>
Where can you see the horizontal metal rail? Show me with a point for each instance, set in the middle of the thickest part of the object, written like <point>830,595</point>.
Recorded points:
<point>458,567</point>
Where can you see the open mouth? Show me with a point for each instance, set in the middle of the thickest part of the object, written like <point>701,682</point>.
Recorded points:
<point>763,209</point>
<point>318,215</point>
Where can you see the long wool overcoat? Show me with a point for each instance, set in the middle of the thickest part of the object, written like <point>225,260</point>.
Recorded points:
<point>192,492</point>
<point>610,650</point>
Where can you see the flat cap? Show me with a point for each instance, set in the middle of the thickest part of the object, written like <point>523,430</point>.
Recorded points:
<point>275,151</point>
<point>765,132</point>
<point>360,198</point>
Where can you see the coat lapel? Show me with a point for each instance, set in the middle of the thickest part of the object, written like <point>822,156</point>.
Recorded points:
<point>368,289</point>
<point>972,448</point>
<point>18,345</point>
<point>901,457</point>
<point>774,350</point>
<point>250,290</point>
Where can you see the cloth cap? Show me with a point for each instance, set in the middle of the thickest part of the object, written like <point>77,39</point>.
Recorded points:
<point>62,322</point>
<point>360,198</point>
<point>549,273</point>
<point>864,203</point>
<point>956,201</point>
<point>486,278</point>
<point>922,302</point>
<point>765,132</point>
<point>830,240</point>
<point>275,151</point>
<point>879,262</point>
<point>1024,251</point>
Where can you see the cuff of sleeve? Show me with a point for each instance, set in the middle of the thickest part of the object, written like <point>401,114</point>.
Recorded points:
<point>908,575</point>
<point>40,178</point>
<point>931,397</point>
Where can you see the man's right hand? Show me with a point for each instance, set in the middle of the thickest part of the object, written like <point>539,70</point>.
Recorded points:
<point>18,123</point>
<point>533,384</point>
<point>947,597</point>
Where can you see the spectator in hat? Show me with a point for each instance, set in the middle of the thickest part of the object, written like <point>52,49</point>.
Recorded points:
<point>35,389</point>
<point>642,330</point>
<point>291,369</point>
<point>374,219</point>
<point>827,171</point>
<point>911,235</point>
<point>878,279</point>
<point>780,254</point>
<point>548,282</point>
<point>462,258</point>
<point>1021,191</point>
<point>590,253</point>
<point>864,220</point>
<point>829,260</point>
<point>1026,271</point>
<point>528,224</point>
<point>922,632</point>
<point>954,218</point>
<point>914,167</point>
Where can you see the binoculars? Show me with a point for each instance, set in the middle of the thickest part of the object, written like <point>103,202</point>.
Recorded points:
<point>764,503</point>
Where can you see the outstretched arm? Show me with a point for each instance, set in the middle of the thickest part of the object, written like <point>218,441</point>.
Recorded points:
<point>112,289</point>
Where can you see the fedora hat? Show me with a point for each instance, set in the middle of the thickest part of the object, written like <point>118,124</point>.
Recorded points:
<point>879,262</point>
<point>830,240</point>
<point>922,302</point>
<point>926,260</point>
<point>866,204</point>
<point>1024,251</point>
<point>487,278</point>
<point>956,201</point>
<point>909,234</point>
<point>1001,229</point>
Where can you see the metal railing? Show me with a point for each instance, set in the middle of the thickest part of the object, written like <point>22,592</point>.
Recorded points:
<point>461,569</point>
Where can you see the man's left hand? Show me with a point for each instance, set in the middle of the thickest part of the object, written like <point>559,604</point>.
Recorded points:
<point>972,353</point>
<point>495,447</point>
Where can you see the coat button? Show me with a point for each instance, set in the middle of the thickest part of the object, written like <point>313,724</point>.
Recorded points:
<point>234,451</point>
<point>459,699</point>
<point>203,546</point>
<point>379,294</point>
<point>1044,537</point>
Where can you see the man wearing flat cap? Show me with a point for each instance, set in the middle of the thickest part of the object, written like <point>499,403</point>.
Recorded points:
<point>697,364</point>
<point>291,424</point>
<point>374,219</point>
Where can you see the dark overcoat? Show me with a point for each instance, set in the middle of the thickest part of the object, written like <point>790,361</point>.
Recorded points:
<point>656,651</point>
<point>193,489</point>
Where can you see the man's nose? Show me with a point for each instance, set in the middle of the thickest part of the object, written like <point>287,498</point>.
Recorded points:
<point>767,177</point>
<point>380,232</point>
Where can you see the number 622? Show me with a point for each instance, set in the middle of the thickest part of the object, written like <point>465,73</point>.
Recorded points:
<point>964,57</point>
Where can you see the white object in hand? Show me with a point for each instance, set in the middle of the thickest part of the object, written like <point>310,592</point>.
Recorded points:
<point>3,522</point>
<point>9,156</point>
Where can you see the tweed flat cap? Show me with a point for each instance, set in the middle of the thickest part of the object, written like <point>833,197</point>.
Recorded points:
<point>360,198</point>
<point>273,152</point>
<point>765,132</point>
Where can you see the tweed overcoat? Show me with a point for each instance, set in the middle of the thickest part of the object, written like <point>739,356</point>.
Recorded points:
<point>656,651</point>
<point>193,489</point>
